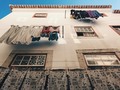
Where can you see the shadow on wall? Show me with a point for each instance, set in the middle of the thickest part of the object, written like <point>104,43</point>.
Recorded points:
<point>91,21</point>
<point>40,44</point>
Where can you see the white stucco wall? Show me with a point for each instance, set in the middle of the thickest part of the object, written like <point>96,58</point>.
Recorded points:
<point>64,54</point>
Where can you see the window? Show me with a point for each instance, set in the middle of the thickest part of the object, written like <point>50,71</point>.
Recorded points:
<point>116,29</point>
<point>102,59</point>
<point>29,60</point>
<point>40,15</point>
<point>86,31</point>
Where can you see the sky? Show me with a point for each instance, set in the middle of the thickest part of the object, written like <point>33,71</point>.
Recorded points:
<point>5,10</point>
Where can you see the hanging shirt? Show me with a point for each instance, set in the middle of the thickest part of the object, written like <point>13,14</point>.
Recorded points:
<point>46,29</point>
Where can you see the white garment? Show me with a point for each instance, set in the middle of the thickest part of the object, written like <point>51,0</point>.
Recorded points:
<point>36,31</point>
<point>13,35</point>
<point>28,36</point>
<point>21,35</point>
<point>6,36</point>
<point>18,39</point>
<point>25,34</point>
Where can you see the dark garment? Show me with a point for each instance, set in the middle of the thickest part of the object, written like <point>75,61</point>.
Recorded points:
<point>44,35</point>
<point>46,30</point>
<point>35,38</point>
<point>72,12</point>
<point>86,14</point>
<point>53,36</point>
<point>78,14</point>
<point>98,13</point>
<point>82,14</point>
<point>90,14</point>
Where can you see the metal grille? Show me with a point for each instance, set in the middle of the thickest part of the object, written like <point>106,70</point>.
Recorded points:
<point>29,60</point>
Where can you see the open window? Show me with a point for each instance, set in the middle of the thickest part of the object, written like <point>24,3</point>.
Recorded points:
<point>85,31</point>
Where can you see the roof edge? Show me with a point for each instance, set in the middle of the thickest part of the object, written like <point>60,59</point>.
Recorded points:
<point>60,6</point>
<point>117,11</point>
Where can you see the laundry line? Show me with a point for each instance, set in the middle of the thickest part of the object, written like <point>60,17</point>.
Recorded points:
<point>82,14</point>
<point>28,34</point>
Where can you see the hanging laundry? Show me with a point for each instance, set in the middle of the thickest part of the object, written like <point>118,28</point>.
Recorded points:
<point>27,34</point>
<point>45,32</point>
<point>79,14</point>
<point>72,12</point>
<point>13,29</point>
<point>36,33</point>
<point>12,36</point>
<point>20,36</point>
<point>54,29</point>
<point>53,36</point>
<point>35,38</point>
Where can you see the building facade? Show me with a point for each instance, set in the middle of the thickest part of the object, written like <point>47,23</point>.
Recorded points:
<point>89,45</point>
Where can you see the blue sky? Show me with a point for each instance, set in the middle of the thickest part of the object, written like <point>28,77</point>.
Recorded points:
<point>4,4</point>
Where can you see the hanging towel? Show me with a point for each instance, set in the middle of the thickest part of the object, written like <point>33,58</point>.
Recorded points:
<point>13,35</point>
<point>8,33</point>
<point>18,37</point>
<point>37,31</point>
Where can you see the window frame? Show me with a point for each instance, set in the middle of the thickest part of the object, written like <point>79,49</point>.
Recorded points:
<point>111,26</point>
<point>43,15</point>
<point>29,65</point>
<point>101,53</point>
<point>95,34</point>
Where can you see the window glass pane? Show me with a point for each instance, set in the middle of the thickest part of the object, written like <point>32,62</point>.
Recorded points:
<point>116,62</point>
<point>91,62</point>
<point>89,57</point>
<point>16,63</point>
<point>33,60</point>
<point>17,60</point>
<point>99,62</point>
<point>79,33</point>
<point>102,59</point>
<point>41,60</point>
<point>107,62</point>
<point>25,60</point>
<point>30,60</point>
<point>96,57</point>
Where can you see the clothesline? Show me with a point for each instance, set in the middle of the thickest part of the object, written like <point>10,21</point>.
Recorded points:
<point>27,34</point>
<point>79,14</point>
